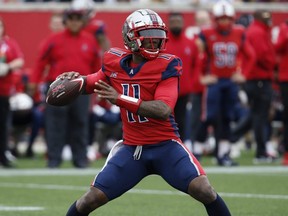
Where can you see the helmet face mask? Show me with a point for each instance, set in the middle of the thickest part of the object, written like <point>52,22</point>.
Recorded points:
<point>145,33</point>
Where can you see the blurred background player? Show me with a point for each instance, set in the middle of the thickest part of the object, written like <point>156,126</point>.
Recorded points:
<point>11,59</point>
<point>70,49</point>
<point>186,49</point>
<point>259,81</point>
<point>281,48</point>
<point>224,45</point>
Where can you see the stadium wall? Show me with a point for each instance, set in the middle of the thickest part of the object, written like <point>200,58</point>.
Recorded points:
<point>28,23</point>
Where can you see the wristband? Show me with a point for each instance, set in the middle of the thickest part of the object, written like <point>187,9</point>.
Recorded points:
<point>130,103</point>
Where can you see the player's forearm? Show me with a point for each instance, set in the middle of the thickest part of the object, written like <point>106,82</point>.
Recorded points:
<point>91,79</point>
<point>154,109</point>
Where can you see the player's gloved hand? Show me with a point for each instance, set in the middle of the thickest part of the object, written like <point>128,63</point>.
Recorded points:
<point>68,75</point>
<point>4,69</point>
<point>208,79</point>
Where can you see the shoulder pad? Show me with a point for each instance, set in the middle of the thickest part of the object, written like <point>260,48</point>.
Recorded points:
<point>117,51</point>
<point>112,58</point>
<point>166,56</point>
<point>173,69</point>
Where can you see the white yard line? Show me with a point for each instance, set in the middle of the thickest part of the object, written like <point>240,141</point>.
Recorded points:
<point>92,172</point>
<point>20,208</point>
<point>136,191</point>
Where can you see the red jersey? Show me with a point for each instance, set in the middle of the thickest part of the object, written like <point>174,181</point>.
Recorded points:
<point>225,52</point>
<point>259,36</point>
<point>9,50</point>
<point>186,50</point>
<point>281,48</point>
<point>151,80</point>
<point>65,52</point>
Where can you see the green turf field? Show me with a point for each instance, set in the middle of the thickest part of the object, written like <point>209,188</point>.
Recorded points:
<point>32,190</point>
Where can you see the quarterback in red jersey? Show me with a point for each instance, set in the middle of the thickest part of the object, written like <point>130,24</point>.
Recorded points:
<point>143,82</point>
<point>225,46</point>
<point>153,86</point>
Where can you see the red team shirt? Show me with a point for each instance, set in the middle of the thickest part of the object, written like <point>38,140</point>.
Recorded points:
<point>187,51</point>
<point>9,50</point>
<point>225,52</point>
<point>66,52</point>
<point>281,48</point>
<point>151,80</point>
<point>264,50</point>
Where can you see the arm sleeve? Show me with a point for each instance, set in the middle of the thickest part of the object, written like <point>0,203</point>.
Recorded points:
<point>167,91</point>
<point>42,61</point>
<point>91,79</point>
<point>249,58</point>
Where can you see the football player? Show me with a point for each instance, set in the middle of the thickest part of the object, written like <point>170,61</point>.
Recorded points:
<point>225,47</point>
<point>143,81</point>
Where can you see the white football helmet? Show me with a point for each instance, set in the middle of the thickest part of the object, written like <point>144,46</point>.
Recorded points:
<point>144,24</point>
<point>82,4</point>
<point>21,102</point>
<point>85,6</point>
<point>223,8</point>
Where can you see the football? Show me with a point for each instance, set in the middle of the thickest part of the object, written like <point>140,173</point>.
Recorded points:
<point>63,91</point>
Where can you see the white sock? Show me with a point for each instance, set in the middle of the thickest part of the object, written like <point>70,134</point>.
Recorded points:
<point>198,148</point>
<point>223,148</point>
